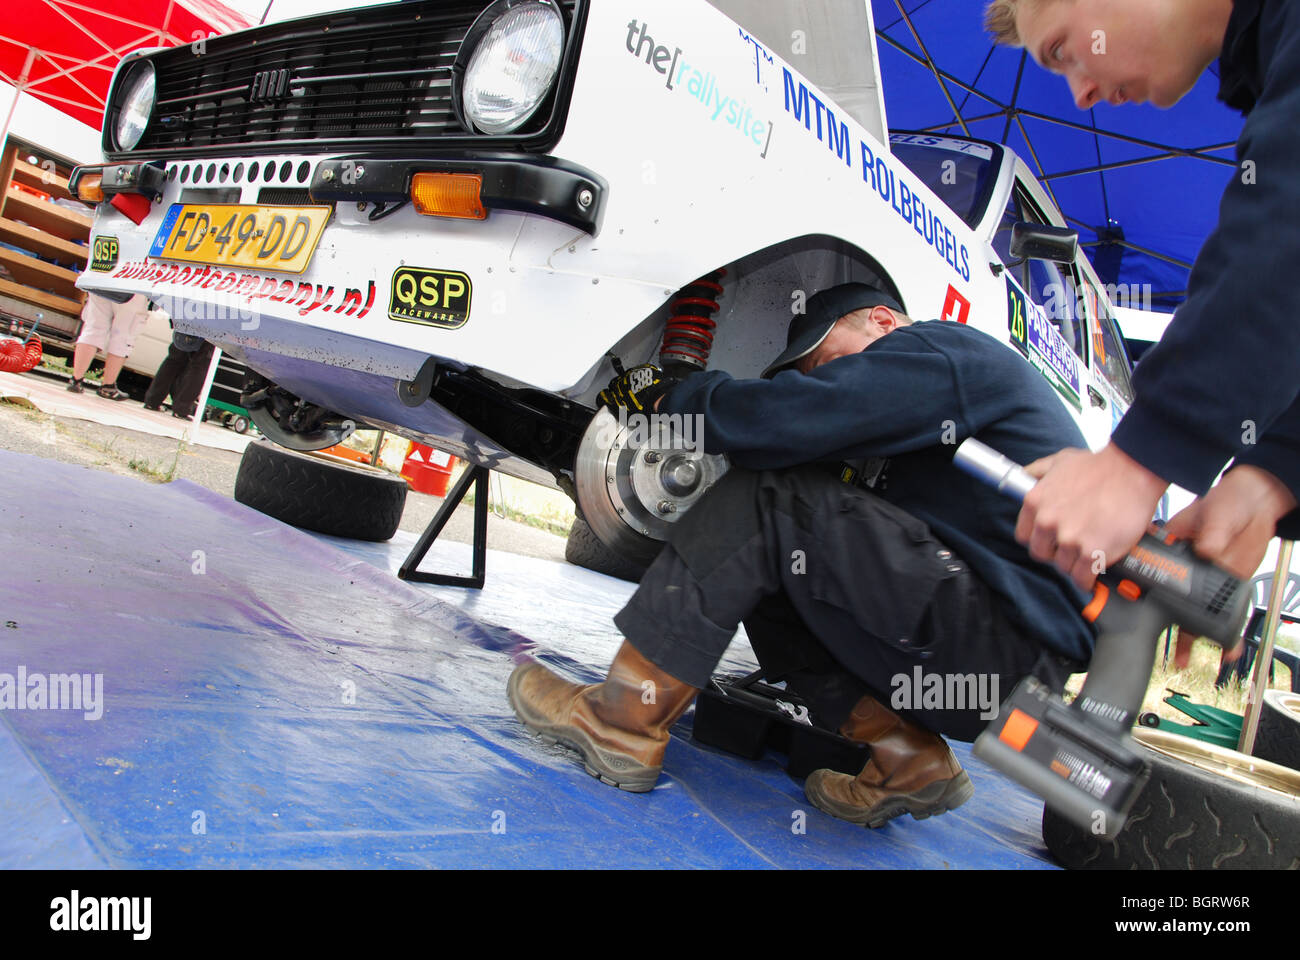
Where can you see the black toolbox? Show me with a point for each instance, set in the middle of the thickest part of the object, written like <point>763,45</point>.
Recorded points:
<point>745,716</point>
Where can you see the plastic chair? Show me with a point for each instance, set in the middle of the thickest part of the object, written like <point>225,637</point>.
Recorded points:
<point>1262,586</point>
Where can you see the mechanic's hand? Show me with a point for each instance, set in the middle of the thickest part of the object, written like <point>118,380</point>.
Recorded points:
<point>1088,510</point>
<point>1233,523</point>
<point>638,389</point>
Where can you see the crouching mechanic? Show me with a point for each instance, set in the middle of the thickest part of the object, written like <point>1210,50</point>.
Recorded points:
<point>850,547</point>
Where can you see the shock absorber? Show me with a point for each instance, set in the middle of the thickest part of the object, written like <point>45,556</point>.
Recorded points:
<point>688,334</point>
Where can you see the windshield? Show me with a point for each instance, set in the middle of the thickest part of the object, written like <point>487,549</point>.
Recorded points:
<point>960,172</point>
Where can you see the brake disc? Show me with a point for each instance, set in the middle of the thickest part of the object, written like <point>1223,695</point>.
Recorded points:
<point>636,480</point>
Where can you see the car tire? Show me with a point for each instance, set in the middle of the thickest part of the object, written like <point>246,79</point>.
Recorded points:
<point>318,492</point>
<point>240,424</point>
<point>1278,738</point>
<point>1204,808</point>
<point>584,549</point>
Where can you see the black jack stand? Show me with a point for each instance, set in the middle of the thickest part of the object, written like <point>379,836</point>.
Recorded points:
<point>478,477</point>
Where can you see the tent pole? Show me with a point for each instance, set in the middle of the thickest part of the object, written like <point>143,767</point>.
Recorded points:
<point>18,92</point>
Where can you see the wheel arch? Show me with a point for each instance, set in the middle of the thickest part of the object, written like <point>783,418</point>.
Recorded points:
<point>759,296</point>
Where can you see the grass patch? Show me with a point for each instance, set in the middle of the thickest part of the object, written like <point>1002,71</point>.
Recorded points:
<point>557,527</point>
<point>154,470</point>
<point>1197,681</point>
<point>59,364</point>
<point>158,473</point>
<point>551,525</point>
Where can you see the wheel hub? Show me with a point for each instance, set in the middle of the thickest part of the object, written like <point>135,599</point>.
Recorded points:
<point>633,485</point>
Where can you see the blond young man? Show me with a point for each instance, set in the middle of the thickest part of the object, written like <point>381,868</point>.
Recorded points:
<point>1222,384</point>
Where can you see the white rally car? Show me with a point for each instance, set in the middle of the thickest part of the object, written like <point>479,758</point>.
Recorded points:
<point>455,219</point>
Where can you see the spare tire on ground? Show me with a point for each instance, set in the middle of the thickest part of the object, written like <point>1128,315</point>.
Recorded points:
<point>319,492</point>
<point>1204,808</point>
<point>1278,738</point>
<point>585,549</point>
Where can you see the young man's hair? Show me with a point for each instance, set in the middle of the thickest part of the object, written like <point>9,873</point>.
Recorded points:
<point>862,318</point>
<point>1000,20</point>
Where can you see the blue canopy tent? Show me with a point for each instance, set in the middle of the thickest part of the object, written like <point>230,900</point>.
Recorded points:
<point>1142,185</point>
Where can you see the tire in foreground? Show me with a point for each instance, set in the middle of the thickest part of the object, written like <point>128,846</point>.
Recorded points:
<point>1204,808</point>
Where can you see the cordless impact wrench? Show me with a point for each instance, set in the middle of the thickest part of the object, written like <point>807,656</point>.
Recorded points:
<point>1080,758</point>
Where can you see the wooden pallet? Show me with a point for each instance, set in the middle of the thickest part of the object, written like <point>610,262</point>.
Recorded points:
<point>40,229</point>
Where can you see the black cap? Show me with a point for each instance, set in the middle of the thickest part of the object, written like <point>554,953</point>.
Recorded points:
<point>809,329</point>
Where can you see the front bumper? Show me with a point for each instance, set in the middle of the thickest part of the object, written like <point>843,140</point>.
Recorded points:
<point>540,185</point>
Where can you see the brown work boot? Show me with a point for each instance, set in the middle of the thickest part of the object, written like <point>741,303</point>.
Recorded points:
<point>911,770</point>
<point>620,726</point>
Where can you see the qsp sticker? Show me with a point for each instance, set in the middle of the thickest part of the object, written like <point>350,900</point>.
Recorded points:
<point>103,254</point>
<point>436,298</point>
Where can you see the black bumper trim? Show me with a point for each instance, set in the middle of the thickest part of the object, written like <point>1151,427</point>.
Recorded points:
<point>545,186</point>
<point>145,178</point>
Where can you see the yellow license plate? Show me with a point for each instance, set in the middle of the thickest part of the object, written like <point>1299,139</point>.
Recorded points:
<point>233,235</point>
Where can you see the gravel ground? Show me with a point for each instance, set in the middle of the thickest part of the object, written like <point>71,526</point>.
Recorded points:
<point>130,453</point>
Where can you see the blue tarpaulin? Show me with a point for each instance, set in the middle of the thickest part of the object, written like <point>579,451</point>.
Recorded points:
<point>274,699</point>
<point>1142,185</point>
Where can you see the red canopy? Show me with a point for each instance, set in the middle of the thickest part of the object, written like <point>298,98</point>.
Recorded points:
<point>64,52</point>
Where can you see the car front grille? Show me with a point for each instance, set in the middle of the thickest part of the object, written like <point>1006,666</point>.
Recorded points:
<point>376,77</point>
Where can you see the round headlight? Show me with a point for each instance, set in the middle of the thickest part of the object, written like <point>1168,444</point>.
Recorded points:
<point>511,70</point>
<point>136,106</point>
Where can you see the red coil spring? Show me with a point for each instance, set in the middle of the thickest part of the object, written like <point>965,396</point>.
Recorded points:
<point>688,334</point>
<point>16,357</point>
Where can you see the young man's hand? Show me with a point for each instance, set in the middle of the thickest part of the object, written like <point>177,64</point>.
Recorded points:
<point>1233,523</point>
<point>1087,511</point>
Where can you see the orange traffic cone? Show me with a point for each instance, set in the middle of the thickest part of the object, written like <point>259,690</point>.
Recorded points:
<point>427,470</point>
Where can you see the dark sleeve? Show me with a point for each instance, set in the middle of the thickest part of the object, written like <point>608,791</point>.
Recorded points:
<point>1278,452</point>
<point>862,405</point>
<point>1231,355</point>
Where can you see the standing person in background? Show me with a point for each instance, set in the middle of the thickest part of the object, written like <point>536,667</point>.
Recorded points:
<point>181,374</point>
<point>110,325</point>
<point>1222,383</point>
